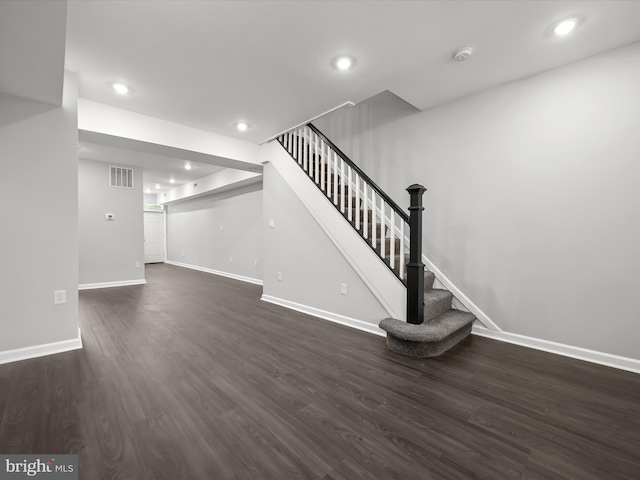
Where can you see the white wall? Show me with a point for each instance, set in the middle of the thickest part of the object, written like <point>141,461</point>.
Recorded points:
<point>312,267</point>
<point>353,129</point>
<point>109,249</point>
<point>150,198</point>
<point>533,207</point>
<point>39,228</point>
<point>194,235</point>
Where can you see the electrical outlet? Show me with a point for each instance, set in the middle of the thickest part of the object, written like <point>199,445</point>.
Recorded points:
<point>279,276</point>
<point>255,262</point>
<point>272,223</point>
<point>222,228</point>
<point>59,297</point>
<point>109,216</point>
<point>343,288</point>
<point>137,264</point>
<point>230,259</point>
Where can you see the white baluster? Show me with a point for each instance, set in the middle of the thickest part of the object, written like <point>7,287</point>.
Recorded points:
<point>335,177</point>
<point>323,173</point>
<point>350,211</point>
<point>373,217</point>
<point>328,185</point>
<point>365,209</point>
<point>319,160</point>
<point>342,177</point>
<point>402,260</point>
<point>305,148</point>
<point>392,238</point>
<point>383,247</point>
<point>316,171</point>
<point>357,206</point>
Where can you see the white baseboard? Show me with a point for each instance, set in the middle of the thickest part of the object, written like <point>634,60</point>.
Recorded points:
<point>41,350</point>
<point>123,283</point>
<point>255,281</point>
<point>607,359</point>
<point>332,317</point>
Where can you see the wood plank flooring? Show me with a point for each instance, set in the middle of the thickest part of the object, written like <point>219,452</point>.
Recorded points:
<point>193,377</point>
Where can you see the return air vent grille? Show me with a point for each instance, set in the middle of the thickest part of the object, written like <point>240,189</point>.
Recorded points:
<point>121,177</point>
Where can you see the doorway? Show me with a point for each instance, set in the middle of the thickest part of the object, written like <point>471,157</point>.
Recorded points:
<point>154,237</point>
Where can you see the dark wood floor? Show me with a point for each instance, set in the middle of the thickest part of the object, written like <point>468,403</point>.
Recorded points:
<point>193,377</point>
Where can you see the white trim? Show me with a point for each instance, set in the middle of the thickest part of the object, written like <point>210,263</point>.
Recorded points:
<point>330,316</point>
<point>601,358</point>
<point>122,283</point>
<point>217,272</point>
<point>41,350</point>
<point>345,104</point>
<point>462,299</point>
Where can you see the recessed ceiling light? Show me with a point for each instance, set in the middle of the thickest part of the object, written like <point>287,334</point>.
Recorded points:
<point>242,126</point>
<point>157,186</point>
<point>121,88</point>
<point>148,190</point>
<point>343,62</point>
<point>172,180</point>
<point>565,26</point>
<point>187,166</point>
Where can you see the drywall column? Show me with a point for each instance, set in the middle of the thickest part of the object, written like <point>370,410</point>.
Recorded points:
<point>39,238</point>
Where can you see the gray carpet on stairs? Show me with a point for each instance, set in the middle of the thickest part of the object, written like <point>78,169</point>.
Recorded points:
<point>431,338</point>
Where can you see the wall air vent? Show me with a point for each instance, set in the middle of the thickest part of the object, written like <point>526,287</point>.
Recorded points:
<point>121,177</point>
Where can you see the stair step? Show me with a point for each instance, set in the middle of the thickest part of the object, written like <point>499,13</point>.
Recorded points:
<point>370,228</point>
<point>434,330</point>
<point>387,245</point>
<point>436,302</point>
<point>396,259</point>
<point>354,203</point>
<point>429,278</point>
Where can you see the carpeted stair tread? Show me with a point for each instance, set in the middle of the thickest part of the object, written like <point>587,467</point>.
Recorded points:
<point>436,302</point>
<point>433,330</point>
<point>429,278</point>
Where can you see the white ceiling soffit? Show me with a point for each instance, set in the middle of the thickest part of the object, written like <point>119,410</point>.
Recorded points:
<point>154,149</point>
<point>32,49</point>
<point>157,169</point>
<point>211,64</point>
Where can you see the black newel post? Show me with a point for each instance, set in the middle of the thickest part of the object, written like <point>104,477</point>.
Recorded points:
<point>415,267</point>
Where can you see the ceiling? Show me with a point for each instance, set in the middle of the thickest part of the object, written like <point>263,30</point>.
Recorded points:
<point>210,64</point>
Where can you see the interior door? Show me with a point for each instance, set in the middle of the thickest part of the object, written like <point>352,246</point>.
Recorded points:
<point>153,237</point>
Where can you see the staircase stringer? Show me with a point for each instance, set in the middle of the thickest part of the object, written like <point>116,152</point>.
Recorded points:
<point>381,281</point>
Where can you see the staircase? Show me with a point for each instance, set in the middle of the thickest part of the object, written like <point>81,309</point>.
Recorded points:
<point>442,327</point>
<point>432,326</point>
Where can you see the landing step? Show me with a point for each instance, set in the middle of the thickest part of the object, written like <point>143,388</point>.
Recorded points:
<point>431,338</point>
